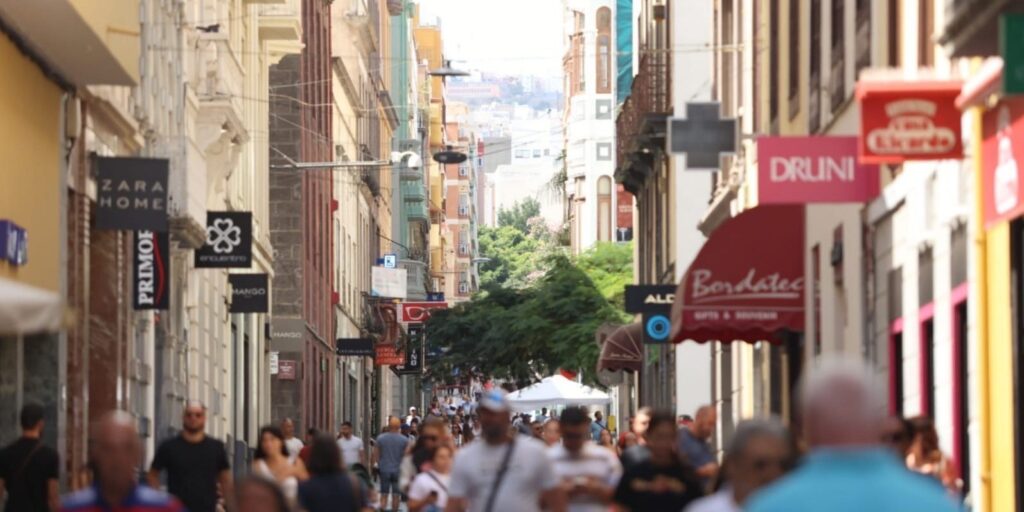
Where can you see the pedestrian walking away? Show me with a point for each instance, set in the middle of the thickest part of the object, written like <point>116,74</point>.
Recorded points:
<point>331,488</point>
<point>292,443</point>
<point>195,464</point>
<point>663,481</point>
<point>28,468</point>
<point>429,490</point>
<point>387,454</point>
<point>847,469</point>
<point>502,472</point>
<point>271,461</point>
<point>694,444</point>
<point>352,450</point>
<point>114,453</point>
<point>759,453</point>
<point>597,426</point>
<point>586,472</point>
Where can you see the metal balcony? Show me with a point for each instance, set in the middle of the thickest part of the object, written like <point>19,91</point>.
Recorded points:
<point>972,26</point>
<point>417,212</point>
<point>413,192</point>
<point>640,129</point>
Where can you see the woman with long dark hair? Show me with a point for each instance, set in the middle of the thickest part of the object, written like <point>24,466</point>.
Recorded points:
<point>272,462</point>
<point>331,488</point>
<point>662,481</point>
<point>925,456</point>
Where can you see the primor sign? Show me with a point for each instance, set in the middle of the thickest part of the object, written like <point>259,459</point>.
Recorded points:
<point>151,270</point>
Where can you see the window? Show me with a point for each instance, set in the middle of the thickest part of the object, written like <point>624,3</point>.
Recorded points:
<point>926,27</point>
<point>838,78</point>
<point>604,209</point>
<point>894,33</point>
<point>862,44</point>
<point>773,67</point>
<point>536,153</point>
<point>604,50</point>
<point>814,93</point>
<point>794,57</point>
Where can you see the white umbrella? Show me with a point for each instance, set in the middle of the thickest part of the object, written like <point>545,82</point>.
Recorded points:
<point>556,390</point>
<point>25,309</point>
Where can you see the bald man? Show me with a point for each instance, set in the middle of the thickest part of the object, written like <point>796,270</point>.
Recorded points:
<point>388,453</point>
<point>114,455</point>
<point>695,443</point>
<point>847,470</point>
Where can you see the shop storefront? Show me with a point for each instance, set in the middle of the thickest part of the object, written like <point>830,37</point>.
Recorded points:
<point>747,284</point>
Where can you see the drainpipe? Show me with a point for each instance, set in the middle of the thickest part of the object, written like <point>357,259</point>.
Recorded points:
<point>980,299</point>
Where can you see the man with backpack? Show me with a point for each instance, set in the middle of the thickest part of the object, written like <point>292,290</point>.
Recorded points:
<point>28,468</point>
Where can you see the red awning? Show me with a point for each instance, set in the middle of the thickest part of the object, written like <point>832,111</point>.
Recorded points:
<point>747,282</point>
<point>623,349</point>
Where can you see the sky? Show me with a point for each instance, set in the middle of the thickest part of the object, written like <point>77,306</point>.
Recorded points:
<point>513,37</point>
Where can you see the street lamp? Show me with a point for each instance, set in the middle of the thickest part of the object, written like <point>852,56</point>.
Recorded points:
<point>447,70</point>
<point>450,156</point>
<point>407,158</point>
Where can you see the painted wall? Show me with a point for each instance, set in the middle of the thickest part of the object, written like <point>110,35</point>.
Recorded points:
<point>30,181</point>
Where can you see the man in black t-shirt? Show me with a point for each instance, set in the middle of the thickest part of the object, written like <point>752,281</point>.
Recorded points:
<point>29,469</point>
<point>195,464</point>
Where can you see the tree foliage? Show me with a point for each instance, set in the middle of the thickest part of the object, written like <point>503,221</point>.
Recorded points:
<point>522,334</point>
<point>610,267</point>
<point>519,215</point>
<point>514,256</point>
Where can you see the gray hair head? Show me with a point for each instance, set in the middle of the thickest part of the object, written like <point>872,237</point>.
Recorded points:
<point>748,430</point>
<point>841,404</point>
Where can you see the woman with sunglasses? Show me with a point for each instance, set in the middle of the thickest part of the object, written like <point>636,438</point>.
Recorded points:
<point>759,453</point>
<point>429,491</point>
<point>418,457</point>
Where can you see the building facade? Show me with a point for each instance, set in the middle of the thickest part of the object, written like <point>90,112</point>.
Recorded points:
<point>589,121</point>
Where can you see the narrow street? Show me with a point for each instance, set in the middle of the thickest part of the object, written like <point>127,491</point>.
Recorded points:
<point>511,256</point>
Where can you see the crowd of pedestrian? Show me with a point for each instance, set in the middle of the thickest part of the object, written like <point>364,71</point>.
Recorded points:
<point>478,456</point>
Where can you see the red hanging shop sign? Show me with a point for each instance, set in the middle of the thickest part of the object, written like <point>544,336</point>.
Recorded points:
<point>1002,154</point>
<point>909,120</point>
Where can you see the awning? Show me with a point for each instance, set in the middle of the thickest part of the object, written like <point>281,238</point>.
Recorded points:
<point>556,390</point>
<point>25,309</point>
<point>623,349</point>
<point>747,282</point>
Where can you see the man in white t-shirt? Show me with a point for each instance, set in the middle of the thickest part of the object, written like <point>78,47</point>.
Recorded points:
<point>352,451</point>
<point>510,472</point>
<point>293,444</point>
<point>588,473</point>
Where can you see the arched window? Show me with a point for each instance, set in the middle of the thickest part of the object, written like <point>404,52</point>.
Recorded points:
<point>604,209</point>
<point>604,50</point>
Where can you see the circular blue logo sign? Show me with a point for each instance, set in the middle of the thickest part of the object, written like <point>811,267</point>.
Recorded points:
<point>658,327</point>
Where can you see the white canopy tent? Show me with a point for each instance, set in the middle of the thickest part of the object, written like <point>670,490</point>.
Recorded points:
<point>554,391</point>
<point>25,309</point>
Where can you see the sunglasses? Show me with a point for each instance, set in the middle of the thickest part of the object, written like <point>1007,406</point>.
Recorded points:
<point>572,435</point>
<point>195,414</point>
<point>429,438</point>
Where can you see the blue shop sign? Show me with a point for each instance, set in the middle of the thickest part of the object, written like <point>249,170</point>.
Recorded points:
<point>13,243</point>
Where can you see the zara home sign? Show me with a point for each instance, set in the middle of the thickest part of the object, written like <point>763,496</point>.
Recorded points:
<point>802,170</point>
<point>131,193</point>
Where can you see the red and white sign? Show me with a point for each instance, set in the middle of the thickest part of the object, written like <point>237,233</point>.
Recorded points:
<point>419,312</point>
<point>902,121</point>
<point>800,170</point>
<point>287,370</point>
<point>1002,151</point>
<point>388,355</point>
<point>747,281</point>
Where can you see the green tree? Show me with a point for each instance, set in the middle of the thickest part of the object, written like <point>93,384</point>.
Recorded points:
<point>523,334</point>
<point>514,257</point>
<point>519,215</point>
<point>610,266</point>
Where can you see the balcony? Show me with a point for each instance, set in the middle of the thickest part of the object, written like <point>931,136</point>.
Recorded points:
<point>282,22</point>
<point>972,26</point>
<point>413,192</point>
<point>417,212</point>
<point>640,129</point>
